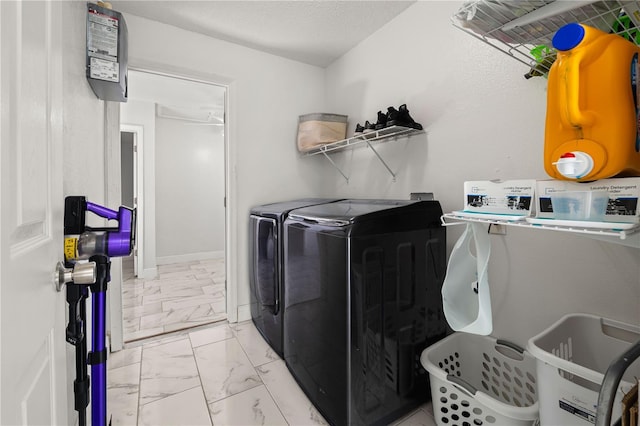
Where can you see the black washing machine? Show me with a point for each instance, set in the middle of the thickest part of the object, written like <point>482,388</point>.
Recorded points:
<point>362,300</point>
<point>266,259</point>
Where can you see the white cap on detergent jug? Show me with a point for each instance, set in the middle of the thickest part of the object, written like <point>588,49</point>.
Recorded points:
<point>574,164</point>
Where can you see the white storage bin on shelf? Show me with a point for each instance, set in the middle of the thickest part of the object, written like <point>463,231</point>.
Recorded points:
<point>478,380</point>
<point>572,357</point>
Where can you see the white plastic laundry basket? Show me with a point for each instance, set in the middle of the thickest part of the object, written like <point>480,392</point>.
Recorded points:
<point>478,380</point>
<point>572,357</point>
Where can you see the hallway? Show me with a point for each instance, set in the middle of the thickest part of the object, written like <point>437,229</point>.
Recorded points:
<point>220,374</point>
<point>184,295</point>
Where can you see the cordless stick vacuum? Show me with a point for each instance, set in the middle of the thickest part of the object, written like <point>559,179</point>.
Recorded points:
<point>97,245</point>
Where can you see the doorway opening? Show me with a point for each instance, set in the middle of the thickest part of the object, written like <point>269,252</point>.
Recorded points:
<point>173,157</point>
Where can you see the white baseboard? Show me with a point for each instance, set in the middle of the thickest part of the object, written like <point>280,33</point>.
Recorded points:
<point>150,273</point>
<point>190,257</point>
<point>244,313</point>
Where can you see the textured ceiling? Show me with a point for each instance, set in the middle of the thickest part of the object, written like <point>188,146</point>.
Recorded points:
<point>314,32</point>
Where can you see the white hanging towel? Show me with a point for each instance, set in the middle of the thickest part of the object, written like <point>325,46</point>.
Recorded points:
<point>465,292</point>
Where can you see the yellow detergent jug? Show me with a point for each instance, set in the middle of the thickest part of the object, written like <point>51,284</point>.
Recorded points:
<point>591,129</point>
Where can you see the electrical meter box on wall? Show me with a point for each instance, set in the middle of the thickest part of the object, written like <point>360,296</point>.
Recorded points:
<point>107,53</point>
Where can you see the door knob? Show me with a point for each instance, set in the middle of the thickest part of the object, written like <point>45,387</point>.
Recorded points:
<point>81,273</point>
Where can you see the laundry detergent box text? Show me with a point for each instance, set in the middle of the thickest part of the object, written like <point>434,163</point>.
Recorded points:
<point>623,197</point>
<point>510,197</point>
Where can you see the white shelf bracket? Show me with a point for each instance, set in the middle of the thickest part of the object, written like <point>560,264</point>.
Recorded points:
<point>382,135</point>
<point>335,166</point>
<point>445,223</point>
<point>382,161</point>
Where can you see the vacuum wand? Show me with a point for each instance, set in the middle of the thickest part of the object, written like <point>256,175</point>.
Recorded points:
<point>98,356</point>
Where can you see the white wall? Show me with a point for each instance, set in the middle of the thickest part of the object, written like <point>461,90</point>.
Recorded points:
<point>483,121</point>
<point>144,114</point>
<point>83,114</point>
<point>266,95</point>
<point>189,189</point>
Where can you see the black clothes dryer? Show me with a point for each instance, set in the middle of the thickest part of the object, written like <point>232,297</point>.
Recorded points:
<point>362,300</point>
<point>266,266</point>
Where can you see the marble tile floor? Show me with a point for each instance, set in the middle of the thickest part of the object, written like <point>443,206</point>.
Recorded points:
<point>220,374</point>
<point>183,295</point>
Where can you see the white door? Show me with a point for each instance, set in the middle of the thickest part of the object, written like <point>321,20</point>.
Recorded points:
<point>33,349</point>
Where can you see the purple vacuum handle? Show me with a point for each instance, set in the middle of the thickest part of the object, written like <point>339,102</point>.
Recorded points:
<point>102,211</point>
<point>120,242</point>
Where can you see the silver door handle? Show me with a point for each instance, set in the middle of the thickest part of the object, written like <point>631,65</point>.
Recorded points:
<point>81,273</point>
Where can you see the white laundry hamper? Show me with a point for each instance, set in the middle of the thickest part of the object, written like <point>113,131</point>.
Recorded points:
<point>478,380</point>
<point>572,357</point>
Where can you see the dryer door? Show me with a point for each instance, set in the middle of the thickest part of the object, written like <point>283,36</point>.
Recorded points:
<point>264,263</point>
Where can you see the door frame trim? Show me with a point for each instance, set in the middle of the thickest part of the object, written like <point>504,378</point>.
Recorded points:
<point>138,143</point>
<point>231,220</point>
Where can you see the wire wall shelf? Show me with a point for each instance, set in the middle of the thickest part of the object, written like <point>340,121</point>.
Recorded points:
<point>387,134</point>
<point>524,29</point>
<point>630,236</point>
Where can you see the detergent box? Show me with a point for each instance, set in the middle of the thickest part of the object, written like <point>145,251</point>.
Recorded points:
<point>623,197</point>
<point>509,197</point>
